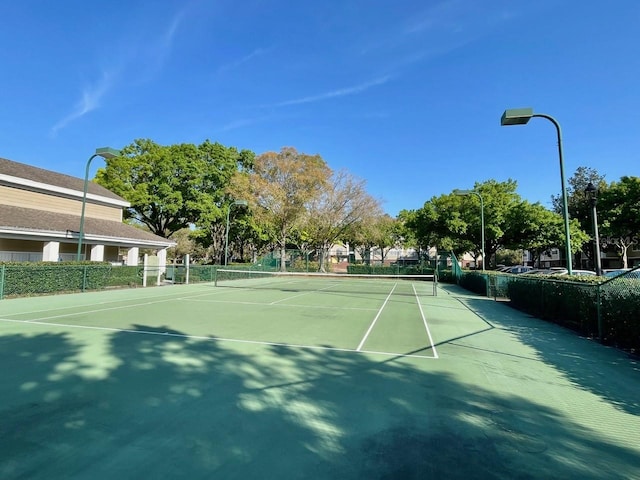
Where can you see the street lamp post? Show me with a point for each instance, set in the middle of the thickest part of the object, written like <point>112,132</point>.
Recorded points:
<point>592,194</point>
<point>105,153</point>
<point>473,192</point>
<point>226,235</point>
<point>521,116</point>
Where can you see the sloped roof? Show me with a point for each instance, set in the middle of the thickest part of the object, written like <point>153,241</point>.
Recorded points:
<point>47,177</point>
<point>38,222</point>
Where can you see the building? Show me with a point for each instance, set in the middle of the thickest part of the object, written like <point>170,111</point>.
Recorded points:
<point>40,213</point>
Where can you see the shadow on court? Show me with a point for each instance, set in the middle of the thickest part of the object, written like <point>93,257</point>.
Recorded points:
<point>589,366</point>
<point>104,405</point>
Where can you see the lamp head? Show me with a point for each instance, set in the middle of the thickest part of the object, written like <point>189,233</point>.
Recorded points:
<point>106,152</point>
<point>516,116</point>
<point>591,191</point>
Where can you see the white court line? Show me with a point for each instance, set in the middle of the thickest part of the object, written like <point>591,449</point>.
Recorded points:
<point>376,319</point>
<point>218,339</point>
<point>119,307</point>
<point>175,296</point>
<point>424,320</point>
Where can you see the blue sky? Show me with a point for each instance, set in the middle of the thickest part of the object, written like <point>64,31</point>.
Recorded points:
<point>404,94</point>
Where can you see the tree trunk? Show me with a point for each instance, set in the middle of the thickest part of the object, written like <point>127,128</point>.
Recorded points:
<point>283,255</point>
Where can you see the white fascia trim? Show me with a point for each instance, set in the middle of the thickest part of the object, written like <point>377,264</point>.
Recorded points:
<point>48,235</point>
<point>44,188</point>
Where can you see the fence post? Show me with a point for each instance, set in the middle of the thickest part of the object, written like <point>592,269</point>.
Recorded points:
<point>2,282</point>
<point>84,278</point>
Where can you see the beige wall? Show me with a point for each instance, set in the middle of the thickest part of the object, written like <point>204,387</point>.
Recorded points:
<point>50,203</point>
<point>11,245</point>
<point>111,252</point>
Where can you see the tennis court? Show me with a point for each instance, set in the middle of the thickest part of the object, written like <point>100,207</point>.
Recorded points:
<point>263,376</point>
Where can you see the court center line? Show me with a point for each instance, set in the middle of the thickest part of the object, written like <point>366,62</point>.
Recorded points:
<point>424,320</point>
<point>376,319</point>
<point>216,339</point>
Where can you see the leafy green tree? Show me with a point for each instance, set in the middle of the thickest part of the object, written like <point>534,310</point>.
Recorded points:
<point>506,256</point>
<point>534,228</point>
<point>185,239</point>
<point>453,222</point>
<point>619,212</point>
<point>387,234</point>
<point>171,187</point>
<point>579,206</point>
<point>438,224</point>
<point>576,199</point>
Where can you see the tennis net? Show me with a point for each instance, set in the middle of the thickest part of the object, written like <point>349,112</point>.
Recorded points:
<point>328,282</point>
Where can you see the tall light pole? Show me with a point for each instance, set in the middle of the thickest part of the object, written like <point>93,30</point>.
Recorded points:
<point>226,235</point>
<point>474,192</point>
<point>105,153</point>
<point>592,194</point>
<point>521,116</point>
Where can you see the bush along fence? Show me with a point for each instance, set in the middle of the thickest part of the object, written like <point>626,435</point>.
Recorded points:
<point>605,309</point>
<point>26,279</point>
<point>30,279</point>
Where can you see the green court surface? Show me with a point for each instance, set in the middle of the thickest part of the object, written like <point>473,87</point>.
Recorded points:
<point>375,379</point>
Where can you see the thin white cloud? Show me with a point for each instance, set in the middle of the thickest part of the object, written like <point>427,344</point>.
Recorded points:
<point>335,93</point>
<point>142,63</point>
<point>235,64</point>
<point>89,101</point>
<point>441,27</point>
<point>240,123</point>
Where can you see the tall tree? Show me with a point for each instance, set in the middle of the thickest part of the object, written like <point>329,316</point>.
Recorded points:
<point>619,211</point>
<point>280,189</point>
<point>171,187</point>
<point>343,202</point>
<point>454,222</point>
<point>577,203</point>
<point>534,228</point>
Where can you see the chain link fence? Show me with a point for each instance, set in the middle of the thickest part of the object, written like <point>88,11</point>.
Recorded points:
<point>603,308</point>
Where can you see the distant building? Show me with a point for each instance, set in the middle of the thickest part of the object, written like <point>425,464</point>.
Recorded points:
<point>40,214</point>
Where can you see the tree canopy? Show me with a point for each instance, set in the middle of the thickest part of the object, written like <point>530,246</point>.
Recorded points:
<point>296,198</point>
<point>281,187</point>
<point>171,187</point>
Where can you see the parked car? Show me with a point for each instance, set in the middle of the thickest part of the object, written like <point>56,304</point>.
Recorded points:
<point>517,269</point>
<point>538,271</point>
<point>503,268</point>
<point>579,273</point>
<point>627,272</point>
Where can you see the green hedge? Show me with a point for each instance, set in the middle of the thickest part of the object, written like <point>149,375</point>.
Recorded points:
<point>363,269</point>
<point>121,276</point>
<point>42,278</point>
<point>576,302</point>
<point>590,305</point>
<point>475,282</point>
<point>571,303</point>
